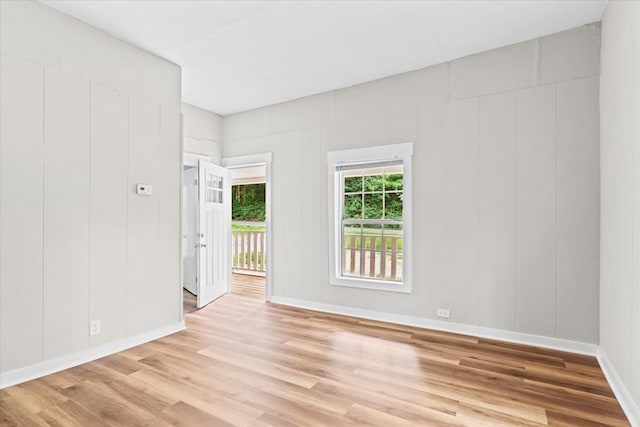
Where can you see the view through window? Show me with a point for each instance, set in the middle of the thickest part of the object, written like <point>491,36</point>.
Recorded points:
<point>372,220</point>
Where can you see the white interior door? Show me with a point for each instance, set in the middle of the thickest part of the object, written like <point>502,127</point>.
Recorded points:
<point>214,222</point>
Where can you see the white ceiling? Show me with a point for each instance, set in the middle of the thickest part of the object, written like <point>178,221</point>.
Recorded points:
<point>236,56</point>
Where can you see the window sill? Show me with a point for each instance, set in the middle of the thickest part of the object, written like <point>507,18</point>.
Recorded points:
<point>375,285</point>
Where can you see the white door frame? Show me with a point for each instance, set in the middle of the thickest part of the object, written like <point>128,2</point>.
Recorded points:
<point>256,160</point>
<point>188,160</point>
<point>191,159</point>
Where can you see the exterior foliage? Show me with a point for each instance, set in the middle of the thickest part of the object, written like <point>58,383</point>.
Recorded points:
<point>248,202</point>
<point>373,197</point>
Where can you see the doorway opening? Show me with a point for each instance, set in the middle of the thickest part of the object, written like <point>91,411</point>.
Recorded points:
<point>250,225</point>
<point>248,230</point>
<point>190,231</point>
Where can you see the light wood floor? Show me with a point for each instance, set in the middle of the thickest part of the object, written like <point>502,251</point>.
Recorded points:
<point>244,362</point>
<point>248,285</point>
<point>241,284</point>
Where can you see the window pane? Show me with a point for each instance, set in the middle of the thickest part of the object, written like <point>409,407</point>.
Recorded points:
<point>373,206</point>
<point>352,184</point>
<point>351,235</point>
<point>393,255</point>
<point>351,244</point>
<point>393,205</point>
<point>393,182</point>
<point>372,238</point>
<point>373,183</point>
<point>353,206</point>
<point>372,226</point>
<point>217,183</point>
<point>393,236</point>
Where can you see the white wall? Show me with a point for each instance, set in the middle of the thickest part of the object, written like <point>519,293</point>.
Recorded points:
<point>202,132</point>
<point>620,246</point>
<point>506,184</point>
<point>83,118</point>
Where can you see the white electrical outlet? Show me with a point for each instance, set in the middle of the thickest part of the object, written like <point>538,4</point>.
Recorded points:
<point>443,312</point>
<point>94,327</point>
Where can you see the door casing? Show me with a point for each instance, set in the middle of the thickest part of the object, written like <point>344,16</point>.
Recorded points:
<point>256,160</point>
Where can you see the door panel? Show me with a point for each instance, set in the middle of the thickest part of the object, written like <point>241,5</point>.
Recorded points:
<point>214,266</point>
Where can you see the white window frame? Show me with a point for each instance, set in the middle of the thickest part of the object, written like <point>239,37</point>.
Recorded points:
<point>402,151</point>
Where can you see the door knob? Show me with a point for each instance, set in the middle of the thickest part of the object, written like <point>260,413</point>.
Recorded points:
<point>203,245</point>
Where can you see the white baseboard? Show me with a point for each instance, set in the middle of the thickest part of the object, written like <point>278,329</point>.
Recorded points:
<point>629,406</point>
<point>28,373</point>
<point>440,325</point>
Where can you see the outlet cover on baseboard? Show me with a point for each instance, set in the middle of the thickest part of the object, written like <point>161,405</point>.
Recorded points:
<point>95,327</point>
<point>443,312</point>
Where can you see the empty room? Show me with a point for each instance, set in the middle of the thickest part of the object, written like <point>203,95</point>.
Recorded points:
<point>319,213</point>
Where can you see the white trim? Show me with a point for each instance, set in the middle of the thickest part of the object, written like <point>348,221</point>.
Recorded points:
<point>402,151</point>
<point>245,161</point>
<point>38,370</point>
<point>629,406</point>
<point>181,216</point>
<point>440,325</point>
<point>255,160</point>
<point>376,152</point>
<point>191,159</point>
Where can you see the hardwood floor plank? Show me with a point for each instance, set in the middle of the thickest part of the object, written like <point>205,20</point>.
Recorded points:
<point>362,415</point>
<point>427,410</point>
<point>294,412</point>
<point>98,399</point>
<point>471,415</point>
<point>19,415</point>
<point>183,414</point>
<point>261,366</point>
<point>268,420</point>
<point>244,362</point>
<point>248,285</point>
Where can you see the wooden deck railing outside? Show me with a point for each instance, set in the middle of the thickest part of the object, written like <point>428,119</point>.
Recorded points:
<point>363,256</point>
<point>248,250</point>
<point>372,256</point>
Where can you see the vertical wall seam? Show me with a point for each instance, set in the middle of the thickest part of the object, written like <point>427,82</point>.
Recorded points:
<point>158,169</point>
<point>556,212</point>
<point>43,208</point>
<point>1,287</point>
<point>128,189</point>
<point>515,210</point>
<point>448,81</point>
<point>479,181</point>
<point>538,62</point>
<point>633,219</point>
<point>89,215</point>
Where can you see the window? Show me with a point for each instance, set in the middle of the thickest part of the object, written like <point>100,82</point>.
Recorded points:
<point>214,188</point>
<point>370,217</point>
